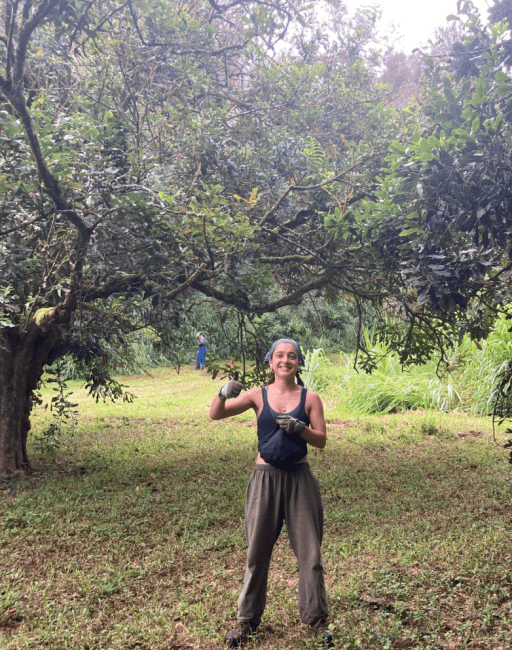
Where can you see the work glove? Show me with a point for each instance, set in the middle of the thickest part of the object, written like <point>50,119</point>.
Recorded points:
<point>232,389</point>
<point>290,425</point>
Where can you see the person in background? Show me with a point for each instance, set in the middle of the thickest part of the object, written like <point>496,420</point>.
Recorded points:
<point>201,350</point>
<point>281,488</point>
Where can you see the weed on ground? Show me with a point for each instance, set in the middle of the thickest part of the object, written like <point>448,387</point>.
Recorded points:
<point>132,536</point>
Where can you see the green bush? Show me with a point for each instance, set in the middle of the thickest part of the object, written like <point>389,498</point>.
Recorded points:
<point>390,389</point>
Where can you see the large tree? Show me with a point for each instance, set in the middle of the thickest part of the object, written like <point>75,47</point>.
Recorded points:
<point>441,218</point>
<point>152,152</point>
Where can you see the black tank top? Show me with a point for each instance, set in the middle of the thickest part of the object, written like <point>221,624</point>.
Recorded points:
<point>276,447</point>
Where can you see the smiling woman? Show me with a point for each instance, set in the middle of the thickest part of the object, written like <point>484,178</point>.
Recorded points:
<point>281,488</point>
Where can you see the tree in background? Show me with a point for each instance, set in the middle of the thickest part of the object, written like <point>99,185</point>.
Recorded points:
<point>404,72</point>
<point>441,219</point>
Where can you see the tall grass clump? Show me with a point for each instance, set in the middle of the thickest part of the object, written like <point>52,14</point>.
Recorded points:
<point>482,366</point>
<point>318,369</point>
<point>468,381</point>
<point>392,388</point>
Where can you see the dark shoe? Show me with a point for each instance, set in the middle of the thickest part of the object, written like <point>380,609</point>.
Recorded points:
<point>321,631</point>
<point>240,633</point>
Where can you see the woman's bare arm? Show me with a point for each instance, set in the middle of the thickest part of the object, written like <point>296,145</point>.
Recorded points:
<point>316,433</point>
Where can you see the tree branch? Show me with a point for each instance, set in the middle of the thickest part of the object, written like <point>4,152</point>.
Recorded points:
<point>17,99</point>
<point>188,283</point>
<point>215,6</point>
<point>244,304</point>
<point>181,52</point>
<point>10,38</point>
<point>98,27</point>
<point>307,188</point>
<point>285,259</point>
<point>46,7</point>
<point>129,283</point>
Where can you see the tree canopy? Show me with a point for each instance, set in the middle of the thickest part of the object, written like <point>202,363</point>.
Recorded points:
<point>150,153</point>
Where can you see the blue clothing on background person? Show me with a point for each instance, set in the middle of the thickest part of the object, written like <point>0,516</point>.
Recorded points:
<point>201,351</point>
<point>201,357</point>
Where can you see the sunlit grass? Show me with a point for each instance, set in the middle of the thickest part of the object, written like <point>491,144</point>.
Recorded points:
<point>132,537</point>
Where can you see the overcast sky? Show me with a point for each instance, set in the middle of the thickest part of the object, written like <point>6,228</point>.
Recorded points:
<point>416,19</point>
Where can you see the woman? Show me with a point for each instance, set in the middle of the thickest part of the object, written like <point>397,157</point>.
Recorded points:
<point>281,488</point>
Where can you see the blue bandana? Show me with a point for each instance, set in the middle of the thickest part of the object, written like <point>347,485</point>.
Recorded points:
<point>276,343</point>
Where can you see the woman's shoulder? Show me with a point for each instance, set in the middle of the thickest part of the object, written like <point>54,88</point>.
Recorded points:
<point>312,397</point>
<point>254,394</point>
<point>254,390</point>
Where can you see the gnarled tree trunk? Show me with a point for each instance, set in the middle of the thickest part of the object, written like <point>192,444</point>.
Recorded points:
<point>23,356</point>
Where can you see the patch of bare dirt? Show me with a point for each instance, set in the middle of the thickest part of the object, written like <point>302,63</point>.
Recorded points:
<point>344,424</point>
<point>470,433</point>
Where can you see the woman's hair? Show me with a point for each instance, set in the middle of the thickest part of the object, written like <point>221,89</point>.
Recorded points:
<point>273,378</point>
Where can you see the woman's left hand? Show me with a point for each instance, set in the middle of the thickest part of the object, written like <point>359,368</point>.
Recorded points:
<point>290,425</point>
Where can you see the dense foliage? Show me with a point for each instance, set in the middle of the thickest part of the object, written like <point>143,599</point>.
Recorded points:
<point>155,156</point>
<point>440,217</point>
<point>179,166</point>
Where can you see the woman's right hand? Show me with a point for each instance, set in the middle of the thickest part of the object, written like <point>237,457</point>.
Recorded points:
<point>232,389</point>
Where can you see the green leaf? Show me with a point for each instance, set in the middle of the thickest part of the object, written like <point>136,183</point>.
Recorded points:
<point>444,117</point>
<point>410,231</point>
<point>463,135</point>
<point>397,147</point>
<point>499,75</point>
<point>455,110</point>
<point>448,93</point>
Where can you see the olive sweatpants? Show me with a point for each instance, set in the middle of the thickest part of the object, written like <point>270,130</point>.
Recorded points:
<point>274,496</point>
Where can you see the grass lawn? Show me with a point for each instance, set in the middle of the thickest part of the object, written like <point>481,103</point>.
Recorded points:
<point>132,537</point>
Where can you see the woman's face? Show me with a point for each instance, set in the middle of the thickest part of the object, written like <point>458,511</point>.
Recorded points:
<point>285,360</point>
